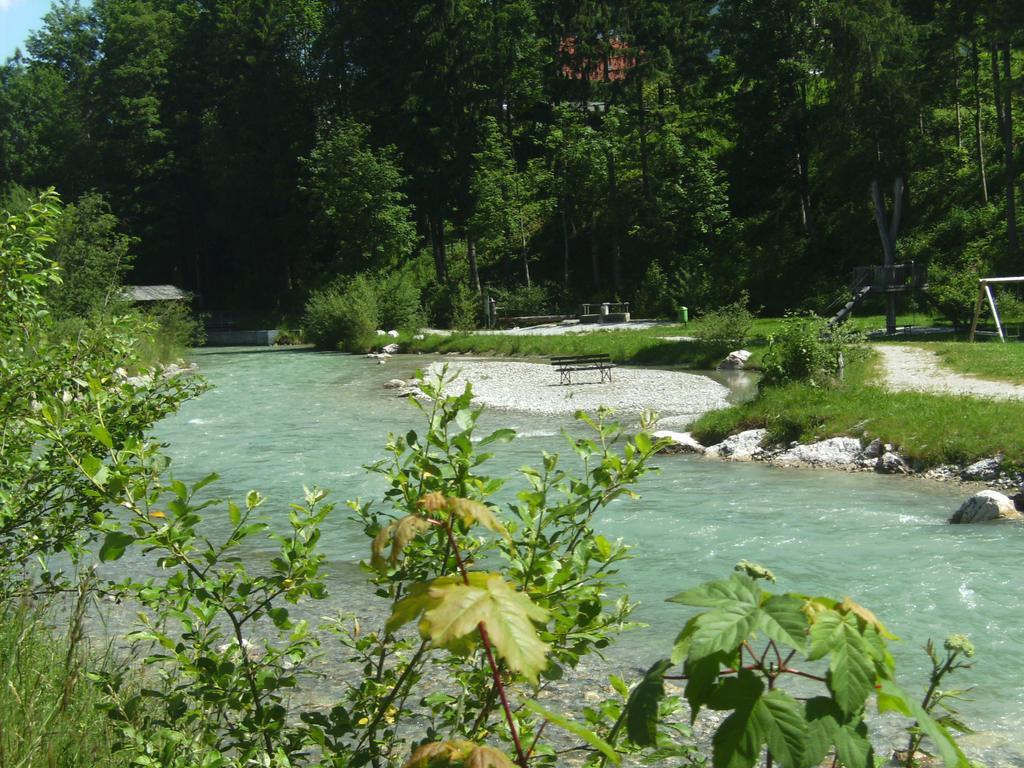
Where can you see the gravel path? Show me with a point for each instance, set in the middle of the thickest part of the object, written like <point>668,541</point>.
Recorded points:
<point>534,388</point>
<point>914,368</point>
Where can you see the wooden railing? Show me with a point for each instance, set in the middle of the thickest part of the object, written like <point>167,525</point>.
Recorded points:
<point>898,277</point>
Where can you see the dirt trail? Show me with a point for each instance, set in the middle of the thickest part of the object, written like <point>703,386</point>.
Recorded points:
<point>914,368</point>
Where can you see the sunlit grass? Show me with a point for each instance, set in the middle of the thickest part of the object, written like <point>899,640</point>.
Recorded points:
<point>49,710</point>
<point>927,429</point>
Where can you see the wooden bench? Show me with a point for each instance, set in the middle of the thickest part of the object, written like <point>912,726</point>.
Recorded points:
<point>565,365</point>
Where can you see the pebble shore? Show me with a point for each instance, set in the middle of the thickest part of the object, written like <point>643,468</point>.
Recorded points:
<point>534,388</point>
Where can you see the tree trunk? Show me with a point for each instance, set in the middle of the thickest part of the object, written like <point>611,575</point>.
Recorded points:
<point>474,274</point>
<point>565,248</point>
<point>1011,166</point>
<point>595,253</point>
<point>613,195</point>
<point>642,138</point>
<point>1004,115</point>
<point>978,141</point>
<point>437,244</point>
<point>888,235</point>
<point>956,96</point>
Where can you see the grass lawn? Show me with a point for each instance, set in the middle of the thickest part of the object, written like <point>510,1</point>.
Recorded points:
<point>642,347</point>
<point>987,359</point>
<point>927,429</point>
<point>645,346</point>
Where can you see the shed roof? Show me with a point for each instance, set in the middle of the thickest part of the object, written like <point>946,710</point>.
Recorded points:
<point>154,293</point>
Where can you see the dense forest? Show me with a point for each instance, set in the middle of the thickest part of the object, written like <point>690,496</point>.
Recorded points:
<point>659,151</point>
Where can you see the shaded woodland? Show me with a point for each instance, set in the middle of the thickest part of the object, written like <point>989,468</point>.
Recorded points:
<point>658,151</point>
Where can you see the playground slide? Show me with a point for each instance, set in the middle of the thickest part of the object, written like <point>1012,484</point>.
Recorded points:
<point>844,313</point>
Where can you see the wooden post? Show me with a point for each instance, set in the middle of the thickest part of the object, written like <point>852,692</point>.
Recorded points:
<point>977,309</point>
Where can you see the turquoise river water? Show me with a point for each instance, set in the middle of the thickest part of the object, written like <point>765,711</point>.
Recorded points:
<point>276,420</point>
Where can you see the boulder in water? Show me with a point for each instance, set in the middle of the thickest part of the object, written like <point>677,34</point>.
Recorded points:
<point>890,463</point>
<point>839,452</point>
<point>681,442</point>
<point>984,506</point>
<point>395,384</point>
<point>734,361</point>
<point>742,446</point>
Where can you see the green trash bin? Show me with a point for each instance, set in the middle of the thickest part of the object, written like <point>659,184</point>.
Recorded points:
<point>684,315</point>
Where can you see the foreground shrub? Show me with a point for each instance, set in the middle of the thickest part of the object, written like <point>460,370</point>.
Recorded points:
<point>54,386</point>
<point>807,349</point>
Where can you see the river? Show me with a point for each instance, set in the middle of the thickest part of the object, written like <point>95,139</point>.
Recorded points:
<point>276,420</point>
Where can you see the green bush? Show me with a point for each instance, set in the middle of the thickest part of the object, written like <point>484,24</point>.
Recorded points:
<point>655,296</point>
<point>723,330</point>
<point>399,301</point>
<point>93,257</point>
<point>344,316</point>
<point>536,299</point>
<point>806,349</point>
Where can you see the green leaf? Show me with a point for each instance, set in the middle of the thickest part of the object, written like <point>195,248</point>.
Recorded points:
<point>823,718</point>
<point>720,593</point>
<point>114,545</point>
<point>853,746</point>
<point>643,442</point>
<point>95,470</point>
<point>737,742</point>
<point>100,433</point>
<point>736,692</point>
<point>891,697</point>
<point>576,729</point>
<point>701,679</point>
<point>642,706</point>
<point>783,620</point>
<point>499,436</point>
<point>723,629</point>
<point>851,675</point>
<point>781,720</point>
<point>234,513</point>
<point>413,604</point>
<point>681,647</point>
<point>507,615</point>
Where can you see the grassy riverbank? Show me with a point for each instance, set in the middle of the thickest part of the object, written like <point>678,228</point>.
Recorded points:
<point>927,429</point>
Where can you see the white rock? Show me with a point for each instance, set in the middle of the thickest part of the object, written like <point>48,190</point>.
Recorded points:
<point>735,361</point>
<point>380,332</point>
<point>739,447</point>
<point>984,506</point>
<point>682,442</point>
<point>874,449</point>
<point>890,463</point>
<point>986,469</point>
<point>393,334</point>
<point>834,452</point>
<point>418,337</point>
<point>390,349</point>
<point>395,384</point>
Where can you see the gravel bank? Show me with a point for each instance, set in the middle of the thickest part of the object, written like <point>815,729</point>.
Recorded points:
<point>916,369</point>
<point>534,388</point>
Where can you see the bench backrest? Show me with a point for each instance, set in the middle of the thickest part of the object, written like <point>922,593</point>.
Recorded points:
<point>604,357</point>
